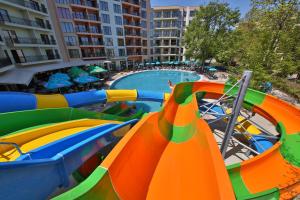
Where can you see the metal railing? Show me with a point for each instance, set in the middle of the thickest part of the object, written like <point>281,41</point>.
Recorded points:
<point>26,59</point>
<point>27,40</point>
<point>84,3</point>
<point>132,23</point>
<point>91,43</point>
<point>132,34</point>
<point>21,21</point>
<point>91,55</point>
<point>132,2</point>
<point>31,5</point>
<point>87,30</point>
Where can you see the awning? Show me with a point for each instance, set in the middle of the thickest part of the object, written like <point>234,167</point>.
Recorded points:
<point>24,75</point>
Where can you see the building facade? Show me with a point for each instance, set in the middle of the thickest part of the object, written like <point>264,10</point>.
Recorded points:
<point>170,23</point>
<point>27,36</point>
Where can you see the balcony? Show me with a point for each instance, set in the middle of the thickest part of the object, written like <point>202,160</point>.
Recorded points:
<point>31,5</point>
<point>88,31</point>
<point>135,14</point>
<point>133,2</point>
<point>134,44</point>
<point>132,34</point>
<point>134,53</point>
<point>23,22</point>
<point>30,59</point>
<point>93,55</point>
<point>28,40</point>
<point>136,24</point>
<point>91,43</point>
<point>91,4</point>
<point>4,62</point>
<point>90,17</point>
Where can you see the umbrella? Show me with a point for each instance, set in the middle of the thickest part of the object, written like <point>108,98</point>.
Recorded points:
<point>55,84</point>
<point>165,62</point>
<point>212,69</point>
<point>86,79</point>
<point>96,69</point>
<point>176,63</point>
<point>171,63</point>
<point>59,76</point>
<point>141,64</point>
<point>187,62</point>
<point>148,63</point>
<point>157,62</point>
<point>75,72</point>
<point>153,63</point>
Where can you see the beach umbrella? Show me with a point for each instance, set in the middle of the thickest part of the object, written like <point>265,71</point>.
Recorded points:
<point>157,63</point>
<point>187,62</point>
<point>96,70</point>
<point>153,63</point>
<point>55,84</point>
<point>212,69</point>
<point>75,72</point>
<point>59,76</point>
<point>176,63</point>
<point>147,63</point>
<point>86,79</point>
<point>165,62</point>
<point>171,63</point>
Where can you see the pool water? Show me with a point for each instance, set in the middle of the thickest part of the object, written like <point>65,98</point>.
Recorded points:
<point>153,81</point>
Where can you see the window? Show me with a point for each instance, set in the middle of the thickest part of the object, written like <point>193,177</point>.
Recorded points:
<point>144,14</point>
<point>62,1</point>
<point>67,27</point>
<point>118,20</point>
<point>117,8</point>
<point>81,28</point>
<point>109,42</point>
<point>144,33</point>
<point>144,4</point>
<point>70,40</point>
<point>64,13</point>
<point>144,24</point>
<point>110,52</point>
<point>120,42</point>
<point>192,13</point>
<point>157,15</point>
<point>119,31</point>
<point>121,52</point>
<point>103,5</point>
<point>106,30</point>
<point>105,18</point>
<point>74,53</point>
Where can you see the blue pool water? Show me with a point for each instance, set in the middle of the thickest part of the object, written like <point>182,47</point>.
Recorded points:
<point>153,81</point>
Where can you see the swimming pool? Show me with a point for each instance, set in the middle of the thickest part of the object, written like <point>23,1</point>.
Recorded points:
<point>154,80</point>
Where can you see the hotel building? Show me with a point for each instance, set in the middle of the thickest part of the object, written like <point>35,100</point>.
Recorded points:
<point>170,23</point>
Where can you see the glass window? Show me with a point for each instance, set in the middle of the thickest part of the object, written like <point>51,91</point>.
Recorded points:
<point>67,27</point>
<point>119,31</point>
<point>70,40</point>
<point>109,42</point>
<point>120,42</point>
<point>121,52</point>
<point>74,53</point>
<point>110,52</point>
<point>144,4</point>
<point>144,24</point>
<point>63,1</point>
<point>192,13</point>
<point>103,5</point>
<point>144,14</point>
<point>105,18</point>
<point>117,8</point>
<point>64,13</point>
<point>118,20</point>
<point>106,30</point>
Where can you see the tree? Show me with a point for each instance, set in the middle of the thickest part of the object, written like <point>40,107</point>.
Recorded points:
<point>211,33</point>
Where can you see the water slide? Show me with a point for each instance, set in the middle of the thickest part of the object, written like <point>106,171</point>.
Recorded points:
<point>168,149</point>
<point>32,139</point>
<point>39,172</point>
<point>172,155</point>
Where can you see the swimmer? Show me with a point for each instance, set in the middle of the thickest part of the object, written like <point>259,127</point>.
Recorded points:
<point>170,84</point>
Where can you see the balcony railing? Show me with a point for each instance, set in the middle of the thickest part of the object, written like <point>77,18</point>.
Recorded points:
<point>92,55</point>
<point>21,21</point>
<point>27,59</point>
<point>28,4</point>
<point>131,13</point>
<point>27,40</point>
<point>132,2</point>
<point>5,62</point>
<point>84,3</point>
<point>134,53</point>
<point>132,34</point>
<point>91,43</point>
<point>85,17</point>
<point>87,30</point>
<point>132,23</point>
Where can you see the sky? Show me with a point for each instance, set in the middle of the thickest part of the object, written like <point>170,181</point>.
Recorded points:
<point>242,5</point>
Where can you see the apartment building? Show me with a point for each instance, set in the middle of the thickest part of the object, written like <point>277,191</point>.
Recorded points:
<point>169,26</point>
<point>26,35</point>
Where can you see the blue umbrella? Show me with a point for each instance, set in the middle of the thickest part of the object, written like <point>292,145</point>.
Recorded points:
<point>212,69</point>
<point>176,63</point>
<point>59,76</point>
<point>86,79</point>
<point>157,62</point>
<point>55,84</point>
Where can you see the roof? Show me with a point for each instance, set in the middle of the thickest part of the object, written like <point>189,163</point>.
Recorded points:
<point>24,75</point>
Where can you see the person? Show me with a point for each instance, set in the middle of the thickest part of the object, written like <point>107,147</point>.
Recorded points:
<point>170,85</point>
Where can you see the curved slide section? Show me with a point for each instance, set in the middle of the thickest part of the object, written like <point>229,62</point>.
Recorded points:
<point>44,169</point>
<point>32,139</point>
<point>17,101</point>
<point>171,154</point>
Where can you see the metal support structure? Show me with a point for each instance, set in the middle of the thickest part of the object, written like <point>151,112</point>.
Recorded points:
<point>236,110</point>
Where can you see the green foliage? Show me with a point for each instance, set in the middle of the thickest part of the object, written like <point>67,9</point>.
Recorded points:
<point>211,33</point>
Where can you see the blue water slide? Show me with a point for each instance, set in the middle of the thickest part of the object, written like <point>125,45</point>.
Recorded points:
<point>48,168</point>
<point>260,143</point>
<point>16,101</point>
<point>85,98</point>
<point>144,95</point>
